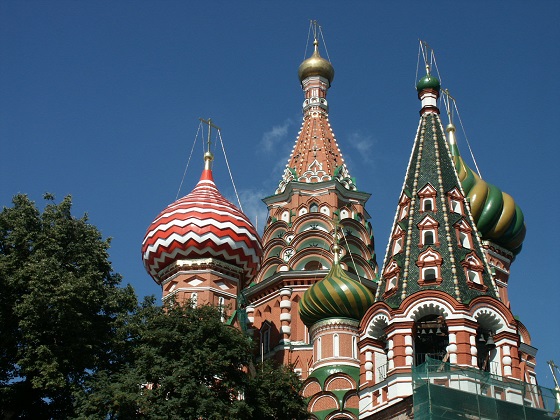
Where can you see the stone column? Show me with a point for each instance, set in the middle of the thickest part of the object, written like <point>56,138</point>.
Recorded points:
<point>285,315</point>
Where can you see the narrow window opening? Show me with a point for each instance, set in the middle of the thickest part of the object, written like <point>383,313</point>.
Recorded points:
<point>474,276</point>
<point>404,212</point>
<point>398,246</point>
<point>455,206</point>
<point>265,339</point>
<point>429,274</point>
<point>428,204</point>
<point>464,238</point>
<point>429,237</point>
<point>336,346</point>
<point>221,307</point>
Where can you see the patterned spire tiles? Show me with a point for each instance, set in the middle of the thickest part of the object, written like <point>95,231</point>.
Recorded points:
<point>434,242</point>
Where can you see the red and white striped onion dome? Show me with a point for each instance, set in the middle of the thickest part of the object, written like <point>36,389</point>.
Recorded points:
<point>203,224</point>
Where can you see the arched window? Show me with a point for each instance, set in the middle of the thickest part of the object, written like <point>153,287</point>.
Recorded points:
<point>319,355</point>
<point>392,283</point>
<point>221,307</point>
<point>403,213</point>
<point>428,232</point>
<point>313,208</point>
<point>455,206</point>
<point>429,263</point>
<point>430,338</point>
<point>429,237</point>
<point>474,276</point>
<point>464,239</point>
<point>265,338</point>
<point>427,198</point>
<point>428,204</point>
<point>397,237</point>
<point>474,268</point>
<point>398,246</point>
<point>391,273</point>
<point>194,299</point>
<point>404,205</point>
<point>336,345</point>
<point>312,266</point>
<point>429,274</point>
<point>456,201</point>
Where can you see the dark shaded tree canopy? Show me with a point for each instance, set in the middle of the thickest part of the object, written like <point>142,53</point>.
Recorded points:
<point>75,344</point>
<point>186,364</point>
<point>60,305</point>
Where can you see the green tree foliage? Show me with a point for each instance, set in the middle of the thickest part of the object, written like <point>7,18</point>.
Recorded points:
<point>186,364</point>
<point>60,307</point>
<point>74,344</point>
<point>275,393</point>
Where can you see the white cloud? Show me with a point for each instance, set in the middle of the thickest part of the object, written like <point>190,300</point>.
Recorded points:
<point>271,138</point>
<point>363,144</point>
<point>253,207</point>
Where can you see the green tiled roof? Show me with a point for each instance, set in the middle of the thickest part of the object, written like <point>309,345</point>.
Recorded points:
<point>432,163</point>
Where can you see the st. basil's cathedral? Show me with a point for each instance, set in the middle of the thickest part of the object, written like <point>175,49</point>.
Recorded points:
<point>425,333</point>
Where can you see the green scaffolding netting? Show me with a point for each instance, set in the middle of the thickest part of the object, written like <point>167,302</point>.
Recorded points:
<point>446,391</point>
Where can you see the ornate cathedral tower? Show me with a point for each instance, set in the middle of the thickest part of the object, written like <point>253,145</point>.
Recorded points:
<point>438,297</point>
<point>202,247</point>
<point>297,240</point>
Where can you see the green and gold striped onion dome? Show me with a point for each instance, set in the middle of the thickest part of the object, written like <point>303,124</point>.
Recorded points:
<point>336,296</point>
<point>498,218</point>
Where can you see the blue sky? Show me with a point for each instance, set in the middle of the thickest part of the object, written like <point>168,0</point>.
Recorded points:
<point>101,100</point>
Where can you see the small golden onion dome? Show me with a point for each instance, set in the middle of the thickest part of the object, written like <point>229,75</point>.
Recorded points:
<point>316,66</point>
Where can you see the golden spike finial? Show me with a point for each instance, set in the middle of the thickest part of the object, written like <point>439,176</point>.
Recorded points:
<point>208,156</point>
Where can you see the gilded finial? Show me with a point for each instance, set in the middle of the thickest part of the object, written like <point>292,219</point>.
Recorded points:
<point>316,65</point>
<point>208,156</point>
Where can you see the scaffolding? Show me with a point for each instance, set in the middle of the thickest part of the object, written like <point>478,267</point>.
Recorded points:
<point>443,391</point>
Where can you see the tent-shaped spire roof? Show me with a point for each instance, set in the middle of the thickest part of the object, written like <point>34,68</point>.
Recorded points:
<point>434,242</point>
<point>316,156</point>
